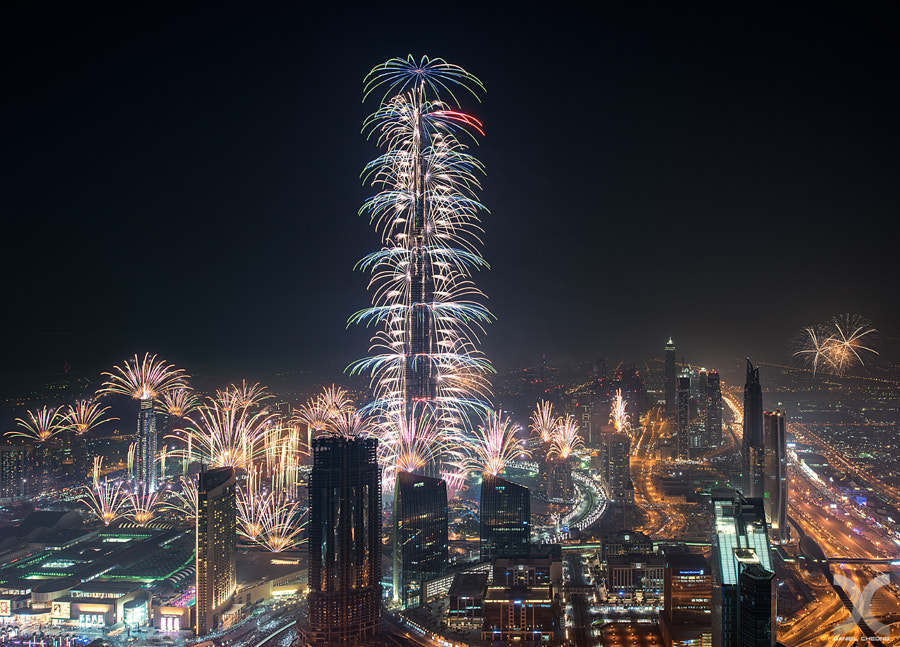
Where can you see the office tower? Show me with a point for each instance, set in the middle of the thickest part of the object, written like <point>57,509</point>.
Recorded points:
<point>670,377</point>
<point>703,407</point>
<point>145,469</point>
<point>216,546</point>
<point>757,594</point>
<point>505,518</point>
<point>683,419</point>
<point>557,478</point>
<point>420,535</point>
<point>740,540</point>
<point>344,542</point>
<point>13,462</point>
<point>753,450</point>
<point>775,496</point>
<point>714,408</point>
<point>686,620</point>
<point>616,464</point>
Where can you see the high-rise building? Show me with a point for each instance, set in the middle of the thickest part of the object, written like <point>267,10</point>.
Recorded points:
<point>703,408</point>
<point>505,518</point>
<point>145,468</point>
<point>775,496</point>
<point>13,462</point>
<point>344,542</point>
<point>688,588</point>
<point>420,535</point>
<point>670,377</point>
<point>615,465</point>
<point>740,540</point>
<point>756,587</point>
<point>683,419</point>
<point>753,449</point>
<point>216,546</point>
<point>714,408</point>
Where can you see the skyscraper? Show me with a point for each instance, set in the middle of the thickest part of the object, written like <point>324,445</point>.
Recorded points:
<point>420,535</point>
<point>146,469</point>
<point>714,409</point>
<point>775,496</point>
<point>670,377</point>
<point>753,449</point>
<point>505,518</point>
<point>740,540</point>
<point>686,619</point>
<point>616,464</point>
<point>216,546</point>
<point>703,407</point>
<point>344,542</point>
<point>683,418</point>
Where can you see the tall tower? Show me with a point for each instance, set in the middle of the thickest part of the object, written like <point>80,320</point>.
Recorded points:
<point>742,556</point>
<point>683,417</point>
<point>216,546</point>
<point>344,542</point>
<point>420,535</point>
<point>670,378</point>
<point>714,410</point>
<point>505,518</point>
<point>753,449</point>
<point>427,213</point>
<point>146,468</point>
<point>775,496</point>
<point>615,464</point>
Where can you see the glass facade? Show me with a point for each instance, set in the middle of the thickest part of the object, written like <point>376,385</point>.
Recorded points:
<point>505,518</point>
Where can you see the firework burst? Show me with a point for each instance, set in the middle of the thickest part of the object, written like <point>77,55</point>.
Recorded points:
<point>180,402</point>
<point>143,504</point>
<point>243,396</point>
<point>183,501</point>
<point>617,415</point>
<point>494,445</point>
<point>836,346</point>
<point>543,422</point>
<point>565,438</point>
<point>84,415</point>
<point>225,436</point>
<point>40,426</point>
<point>143,379</point>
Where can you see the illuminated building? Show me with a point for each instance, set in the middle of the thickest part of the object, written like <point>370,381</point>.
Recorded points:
<point>12,472</point>
<point>615,465</point>
<point>518,604</point>
<point>740,596</point>
<point>420,535</point>
<point>753,450</point>
<point>344,542</point>
<point>670,377</point>
<point>775,495</point>
<point>216,544</point>
<point>683,418</point>
<point>145,469</point>
<point>557,478</point>
<point>714,408</point>
<point>505,518</point>
<point>687,613</point>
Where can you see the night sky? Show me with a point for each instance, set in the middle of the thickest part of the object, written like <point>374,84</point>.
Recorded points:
<point>185,180</point>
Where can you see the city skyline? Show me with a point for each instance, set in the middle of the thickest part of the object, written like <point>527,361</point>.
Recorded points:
<point>188,183</point>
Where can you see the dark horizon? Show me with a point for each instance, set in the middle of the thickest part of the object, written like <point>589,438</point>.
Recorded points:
<point>186,182</point>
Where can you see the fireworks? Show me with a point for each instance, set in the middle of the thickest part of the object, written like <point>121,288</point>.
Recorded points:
<point>106,501</point>
<point>143,503</point>
<point>617,415</point>
<point>565,438</point>
<point>495,444</point>
<point>837,345</point>
<point>320,412</point>
<point>225,435</point>
<point>273,520</point>
<point>183,501</point>
<point>425,370</point>
<point>180,401</point>
<point>84,415</point>
<point>542,421</point>
<point>143,379</point>
<point>242,396</point>
<point>41,425</point>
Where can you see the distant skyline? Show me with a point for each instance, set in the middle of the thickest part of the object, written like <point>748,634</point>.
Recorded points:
<point>185,181</point>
